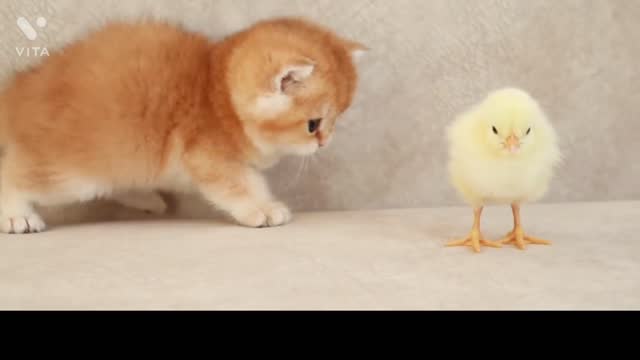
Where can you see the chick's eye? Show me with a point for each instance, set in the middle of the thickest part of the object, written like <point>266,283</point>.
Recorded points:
<point>313,125</point>
<point>528,131</point>
<point>495,131</point>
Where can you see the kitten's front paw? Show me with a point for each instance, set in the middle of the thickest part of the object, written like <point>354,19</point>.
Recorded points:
<point>277,214</point>
<point>268,215</point>
<point>254,218</point>
<point>23,224</point>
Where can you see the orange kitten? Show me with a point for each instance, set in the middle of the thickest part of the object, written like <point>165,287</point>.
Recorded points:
<point>136,108</point>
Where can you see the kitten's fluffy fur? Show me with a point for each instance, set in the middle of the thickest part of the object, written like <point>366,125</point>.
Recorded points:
<point>135,108</point>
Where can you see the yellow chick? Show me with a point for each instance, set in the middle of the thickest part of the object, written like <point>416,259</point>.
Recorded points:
<point>502,151</point>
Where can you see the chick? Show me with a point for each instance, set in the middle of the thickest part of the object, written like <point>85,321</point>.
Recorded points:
<point>502,151</point>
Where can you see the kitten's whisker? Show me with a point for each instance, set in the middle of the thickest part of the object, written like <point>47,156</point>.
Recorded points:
<point>306,164</point>
<point>301,169</point>
<point>315,159</point>
<point>305,167</point>
<point>293,180</point>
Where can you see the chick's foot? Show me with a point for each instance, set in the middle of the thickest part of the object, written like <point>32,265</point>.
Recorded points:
<point>475,240</point>
<point>521,240</point>
<point>517,235</point>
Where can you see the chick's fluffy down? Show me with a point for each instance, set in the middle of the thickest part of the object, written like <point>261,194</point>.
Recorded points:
<point>482,171</point>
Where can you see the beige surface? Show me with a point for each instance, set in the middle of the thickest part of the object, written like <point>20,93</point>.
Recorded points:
<point>391,259</point>
<point>430,60</point>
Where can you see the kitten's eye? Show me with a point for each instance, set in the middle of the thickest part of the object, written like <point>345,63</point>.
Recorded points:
<point>495,131</point>
<point>528,131</point>
<point>314,124</point>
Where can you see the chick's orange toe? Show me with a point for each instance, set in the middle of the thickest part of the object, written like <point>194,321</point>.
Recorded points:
<point>518,238</point>
<point>476,241</point>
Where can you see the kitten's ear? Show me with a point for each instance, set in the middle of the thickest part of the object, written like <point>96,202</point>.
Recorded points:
<point>279,99</point>
<point>292,74</point>
<point>357,50</point>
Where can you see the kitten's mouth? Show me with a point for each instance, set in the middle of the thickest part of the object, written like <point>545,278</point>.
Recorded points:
<point>321,140</point>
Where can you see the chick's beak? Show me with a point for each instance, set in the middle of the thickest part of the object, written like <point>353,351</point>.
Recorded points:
<point>513,144</point>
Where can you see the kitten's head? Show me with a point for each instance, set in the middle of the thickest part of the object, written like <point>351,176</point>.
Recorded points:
<point>290,80</point>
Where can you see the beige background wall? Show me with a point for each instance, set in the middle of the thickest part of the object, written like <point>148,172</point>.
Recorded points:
<point>430,60</point>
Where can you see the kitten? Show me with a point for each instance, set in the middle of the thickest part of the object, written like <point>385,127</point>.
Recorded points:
<point>138,108</point>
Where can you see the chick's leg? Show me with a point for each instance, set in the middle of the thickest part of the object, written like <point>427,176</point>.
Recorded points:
<point>517,235</point>
<point>475,239</point>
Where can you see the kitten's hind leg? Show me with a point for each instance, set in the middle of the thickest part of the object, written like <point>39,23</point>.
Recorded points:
<point>17,215</point>
<point>150,202</point>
